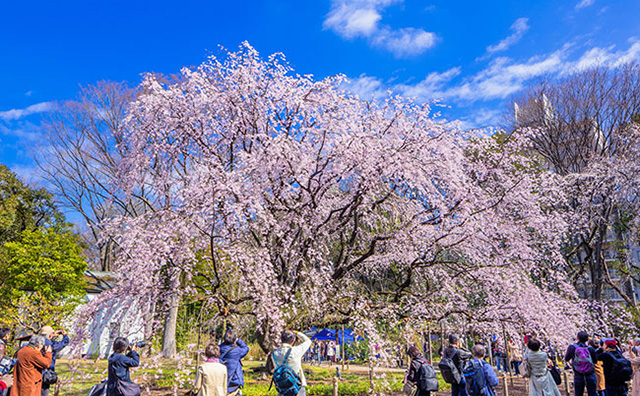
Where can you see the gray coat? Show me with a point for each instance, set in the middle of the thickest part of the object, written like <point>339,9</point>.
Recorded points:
<point>541,382</point>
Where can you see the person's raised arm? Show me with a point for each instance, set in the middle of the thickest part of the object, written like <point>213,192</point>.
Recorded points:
<point>464,354</point>
<point>57,346</point>
<point>244,348</point>
<point>43,362</point>
<point>132,359</point>
<point>306,342</point>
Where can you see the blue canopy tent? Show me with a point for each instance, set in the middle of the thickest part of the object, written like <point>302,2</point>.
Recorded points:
<point>344,337</point>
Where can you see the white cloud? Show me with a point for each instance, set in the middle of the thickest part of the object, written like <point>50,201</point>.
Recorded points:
<point>22,130</point>
<point>607,57</point>
<point>482,118</point>
<point>502,78</point>
<point>16,114</point>
<point>518,28</point>
<point>361,19</point>
<point>350,22</point>
<point>584,4</point>
<point>432,87</point>
<point>405,42</point>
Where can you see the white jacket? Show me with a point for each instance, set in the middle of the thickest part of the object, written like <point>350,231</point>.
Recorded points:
<point>295,358</point>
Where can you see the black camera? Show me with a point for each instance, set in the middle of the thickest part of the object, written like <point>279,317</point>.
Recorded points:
<point>139,344</point>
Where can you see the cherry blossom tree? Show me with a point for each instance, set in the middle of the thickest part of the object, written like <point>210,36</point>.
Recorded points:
<point>318,208</point>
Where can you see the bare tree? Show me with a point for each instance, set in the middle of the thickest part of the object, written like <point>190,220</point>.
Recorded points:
<point>83,151</point>
<point>81,157</point>
<point>583,130</point>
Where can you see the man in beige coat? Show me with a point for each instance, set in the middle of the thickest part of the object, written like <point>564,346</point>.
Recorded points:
<point>211,379</point>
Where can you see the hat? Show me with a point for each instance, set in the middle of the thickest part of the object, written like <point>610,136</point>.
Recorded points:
<point>46,330</point>
<point>610,343</point>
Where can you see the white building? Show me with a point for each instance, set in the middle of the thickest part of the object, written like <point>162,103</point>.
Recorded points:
<point>114,320</point>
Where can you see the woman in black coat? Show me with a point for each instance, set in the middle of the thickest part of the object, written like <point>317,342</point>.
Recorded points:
<point>414,369</point>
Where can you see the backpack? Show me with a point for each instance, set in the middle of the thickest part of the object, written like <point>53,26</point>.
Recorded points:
<point>621,370</point>
<point>6,365</point>
<point>427,379</point>
<point>582,362</point>
<point>286,380</point>
<point>448,369</point>
<point>476,385</point>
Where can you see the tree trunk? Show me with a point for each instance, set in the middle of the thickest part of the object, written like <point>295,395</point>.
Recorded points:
<point>628,287</point>
<point>597,259</point>
<point>148,327</point>
<point>171,319</point>
<point>262,337</point>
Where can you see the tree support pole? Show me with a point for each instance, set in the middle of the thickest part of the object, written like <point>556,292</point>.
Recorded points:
<point>429,344</point>
<point>342,349</point>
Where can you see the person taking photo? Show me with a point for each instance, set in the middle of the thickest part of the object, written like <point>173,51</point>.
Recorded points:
<point>124,357</point>
<point>27,373</point>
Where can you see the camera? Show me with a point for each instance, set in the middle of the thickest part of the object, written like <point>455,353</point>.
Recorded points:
<point>139,344</point>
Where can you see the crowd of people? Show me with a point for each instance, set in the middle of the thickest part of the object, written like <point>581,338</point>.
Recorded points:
<point>33,363</point>
<point>601,366</point>
<point>221,373</point>
<point>322,351</point>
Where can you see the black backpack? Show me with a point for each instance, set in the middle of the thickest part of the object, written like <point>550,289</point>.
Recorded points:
<point>621,370</point>
<point>427,379</point>
<point>448,369</point>
<point>476,384</point>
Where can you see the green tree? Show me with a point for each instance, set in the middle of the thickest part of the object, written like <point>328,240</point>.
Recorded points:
<point>41,263</point>
<point>23,208</point>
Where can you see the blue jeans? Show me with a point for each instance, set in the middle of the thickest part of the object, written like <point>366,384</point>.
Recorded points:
<point>458,389</point>
<point>516,367</point>
<point>616,390</point>
<point>579,382</point>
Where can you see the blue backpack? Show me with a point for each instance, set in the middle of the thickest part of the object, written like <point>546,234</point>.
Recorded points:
<point>6,365</point>
<point>286,380</point>
<point>476,385</point>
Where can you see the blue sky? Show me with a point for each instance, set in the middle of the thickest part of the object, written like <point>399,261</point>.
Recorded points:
<point>472,55</point>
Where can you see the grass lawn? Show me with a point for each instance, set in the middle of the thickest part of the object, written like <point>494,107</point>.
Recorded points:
<point>164,377</point>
